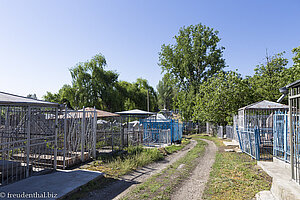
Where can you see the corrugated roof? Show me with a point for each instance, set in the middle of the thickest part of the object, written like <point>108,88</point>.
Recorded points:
<point>135,112</point>
<point>11,99</point>
<point>265,104</point>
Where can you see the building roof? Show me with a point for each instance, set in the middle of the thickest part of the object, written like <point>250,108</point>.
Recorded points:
<point>11,99</point>
<point>136,112</point>
<point>265,104</point>
<point>101,113</point>
<point>294,84</point>
<point>89,112</point>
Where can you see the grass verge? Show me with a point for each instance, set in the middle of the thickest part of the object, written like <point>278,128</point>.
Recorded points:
<point>161,185</point>
<point>173,148</point>
<point>120,164</point>
<point>234,176</point>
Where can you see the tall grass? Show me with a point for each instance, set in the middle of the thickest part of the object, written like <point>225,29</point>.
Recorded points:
<point>121,164</point>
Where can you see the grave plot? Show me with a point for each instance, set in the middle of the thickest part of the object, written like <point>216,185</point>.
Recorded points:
<point>28,137</point>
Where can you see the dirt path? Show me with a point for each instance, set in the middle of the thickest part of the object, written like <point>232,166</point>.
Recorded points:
<point>193,187</point>
<point>118,189</point>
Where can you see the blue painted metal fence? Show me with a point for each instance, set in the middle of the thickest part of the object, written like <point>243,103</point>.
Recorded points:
<point>161,131</point>
<point>281,148</point>
<point>256,142</point>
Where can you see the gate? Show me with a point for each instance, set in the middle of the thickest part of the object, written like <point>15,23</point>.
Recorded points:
<point>28,141</point>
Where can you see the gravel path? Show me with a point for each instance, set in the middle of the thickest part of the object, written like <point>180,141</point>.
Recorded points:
<point>119,188</point>
<point>193,187</point>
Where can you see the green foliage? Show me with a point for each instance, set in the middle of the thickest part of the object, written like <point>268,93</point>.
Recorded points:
<point>193,58</point>
<point>269,77</point>
<point>134,95</point>
<point>166,93</point>
<point>220,97</point>
<point>92,85</point>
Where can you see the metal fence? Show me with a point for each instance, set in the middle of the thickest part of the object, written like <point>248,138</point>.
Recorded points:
<point>108,137</point>
<point>281,145</point>
<point>37,140</point>
<point>77,137</point>
<point>161,131</point>
<point>28,141</point>
<point>257,142</point>
<point>230,133</point>
<point>294,127</point>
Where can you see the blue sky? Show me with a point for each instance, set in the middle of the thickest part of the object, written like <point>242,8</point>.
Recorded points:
<point>41,40</point>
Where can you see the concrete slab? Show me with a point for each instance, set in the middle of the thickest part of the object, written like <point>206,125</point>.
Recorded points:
<point>265,195</point>
<point>50,186</point>
<point>238,150</point>
<point>282,185</point>
<point>229,150</point>
<point>232,143</point>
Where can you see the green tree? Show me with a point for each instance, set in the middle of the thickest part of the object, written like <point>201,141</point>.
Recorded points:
<point>293,73</point>
<point>193,59</point>
<point>220,97</point>
<point>134,95</point>
<point>66,95</point>
<point>269,77</point>
<point>93,85</point>
<point>165,94</point>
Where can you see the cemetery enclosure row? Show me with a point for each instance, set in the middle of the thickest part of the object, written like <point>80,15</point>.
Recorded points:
<point>39,139</point>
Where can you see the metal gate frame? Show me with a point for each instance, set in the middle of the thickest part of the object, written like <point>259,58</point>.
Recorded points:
<point>28,141</point>
<point>294,127</point>
<point>77,136</point>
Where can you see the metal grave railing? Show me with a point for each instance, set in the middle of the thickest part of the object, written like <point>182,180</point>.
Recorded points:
<point>258,143</point>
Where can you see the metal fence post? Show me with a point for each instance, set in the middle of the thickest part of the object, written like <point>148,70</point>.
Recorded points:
<point>94,133</point>
<point>82,134</point>
<point>250,144</point>
<point>28,140</point>
<point>65,137</point>
<point>239,138</point>
<point>257,153</point>
<point>55,143</point>
<point>171,127</point>
<point>291,138</point>
<point>112,137</point>
<point>285,135</point>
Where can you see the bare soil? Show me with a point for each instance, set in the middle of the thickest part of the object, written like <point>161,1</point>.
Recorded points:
<point>117,189</point>
<point>193,187</point>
